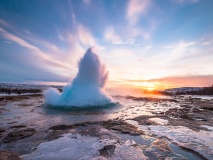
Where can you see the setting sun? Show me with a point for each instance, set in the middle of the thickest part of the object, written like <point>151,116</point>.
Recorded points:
<point>148,86</point>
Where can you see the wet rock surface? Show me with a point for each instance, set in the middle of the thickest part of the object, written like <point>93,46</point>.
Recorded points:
<point>122,127</point>
<point>20,134</point>
<point>92,128</point>
<point>22,112</point>
<point>192,113</point>
<point>85,128</point>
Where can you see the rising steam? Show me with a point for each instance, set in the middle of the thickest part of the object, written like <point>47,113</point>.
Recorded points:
<point>86,89</point>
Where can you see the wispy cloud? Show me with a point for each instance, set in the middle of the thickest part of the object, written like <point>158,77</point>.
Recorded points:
<point>111,36</point>
<point>29,46</point>
<point>135,9</point>
<point>72,12</point>
<point>61,61</point>
<point>151,62</point>
<point>135,35</point>
<point>179,46</point>
<point>178,49</point>
<point>85,36</point>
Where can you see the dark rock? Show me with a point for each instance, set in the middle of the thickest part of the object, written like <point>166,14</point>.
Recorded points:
<point>7,155</point>
<point>208,108</point>
<point>61,127</point>
<point>107,151</point>
<point>122,127</point>
<point>68,126</point>
<point>54,135</point>
<point>19,126</point>
<point>206,105</point>
<point>2,130</point>
<point>20,134</point>
<point>12,122</point>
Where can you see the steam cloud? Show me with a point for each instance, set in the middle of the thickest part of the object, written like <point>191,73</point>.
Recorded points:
<point>86,89</point>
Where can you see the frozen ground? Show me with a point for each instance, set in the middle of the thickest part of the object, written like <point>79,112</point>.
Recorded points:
<point>135,128</point>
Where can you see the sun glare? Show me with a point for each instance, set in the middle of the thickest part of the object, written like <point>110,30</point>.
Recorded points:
<point>148,86</point>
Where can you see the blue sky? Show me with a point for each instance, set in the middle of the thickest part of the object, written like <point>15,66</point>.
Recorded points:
<point>155,43</point>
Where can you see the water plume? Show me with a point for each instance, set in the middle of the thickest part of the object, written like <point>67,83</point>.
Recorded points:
<point>87,88</point>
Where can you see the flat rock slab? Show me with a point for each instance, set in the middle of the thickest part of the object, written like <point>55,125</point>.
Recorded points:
<point>117,125</point>
<point>20,134</point>
<point>121,127</point>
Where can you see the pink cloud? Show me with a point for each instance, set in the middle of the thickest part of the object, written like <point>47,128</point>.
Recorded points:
<point>111,36</point>
<point>85,36</point>
<point>135,9</point>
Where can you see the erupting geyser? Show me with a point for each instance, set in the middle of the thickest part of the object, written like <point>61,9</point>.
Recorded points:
<point>87,88</point>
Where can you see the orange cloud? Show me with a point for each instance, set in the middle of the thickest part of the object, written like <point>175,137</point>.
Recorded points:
<point>172,82</point>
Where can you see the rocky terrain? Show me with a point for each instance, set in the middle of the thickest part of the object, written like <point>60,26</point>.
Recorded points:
<point>177,127</point>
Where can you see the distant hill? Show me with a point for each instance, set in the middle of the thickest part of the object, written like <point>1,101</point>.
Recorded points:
<point>190,90</point>
<point>183,89</point>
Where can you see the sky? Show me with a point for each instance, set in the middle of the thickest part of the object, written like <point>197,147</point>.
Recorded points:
<point>152,44</point>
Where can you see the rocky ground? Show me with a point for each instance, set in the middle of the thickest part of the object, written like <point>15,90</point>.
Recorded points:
<point>135,128</point>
